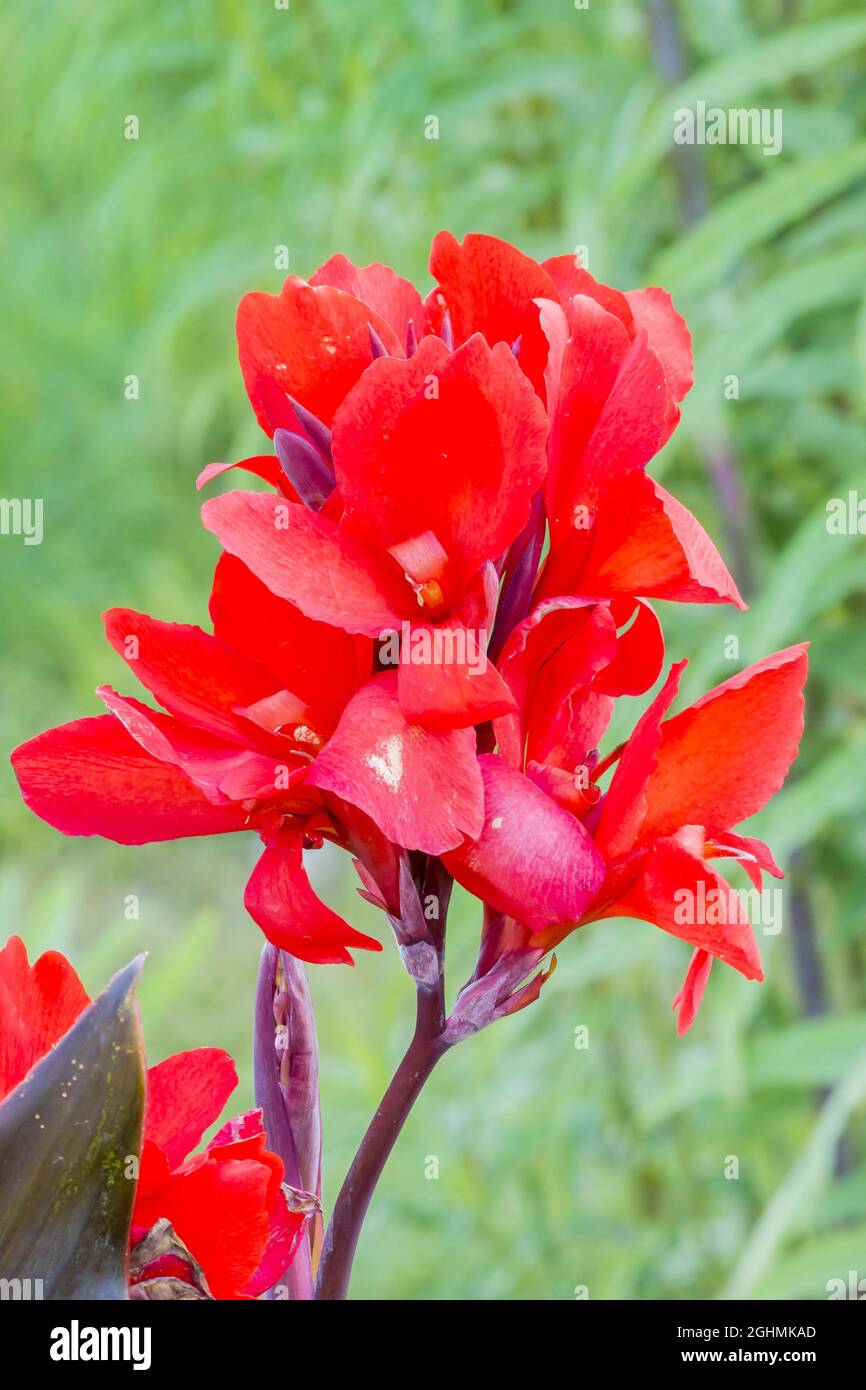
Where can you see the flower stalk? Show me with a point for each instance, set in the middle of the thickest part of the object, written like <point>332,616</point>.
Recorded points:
<point>420,934</point>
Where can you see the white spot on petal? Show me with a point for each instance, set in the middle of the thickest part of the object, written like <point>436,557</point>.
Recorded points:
<point>388,764</point>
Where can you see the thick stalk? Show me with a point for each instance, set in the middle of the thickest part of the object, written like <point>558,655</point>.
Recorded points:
<point>341,1239</point>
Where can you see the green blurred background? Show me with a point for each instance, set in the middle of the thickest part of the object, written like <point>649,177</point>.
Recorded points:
<point>261,128</point>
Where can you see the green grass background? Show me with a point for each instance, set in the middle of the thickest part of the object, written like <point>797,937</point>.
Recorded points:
<point>261,127</point>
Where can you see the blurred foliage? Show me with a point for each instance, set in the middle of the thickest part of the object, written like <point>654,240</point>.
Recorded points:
<point>262,127</point>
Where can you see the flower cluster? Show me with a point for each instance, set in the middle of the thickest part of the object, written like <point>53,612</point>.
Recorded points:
<point>421,630</point>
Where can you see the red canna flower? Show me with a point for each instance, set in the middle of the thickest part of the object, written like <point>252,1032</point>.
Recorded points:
<point>681,787</point>
<point>410,552</point>
<point>248,710</point>
<point>612,369</point>
<point>556,854</point>
<point>416,478</point>
<point>226,1205</point>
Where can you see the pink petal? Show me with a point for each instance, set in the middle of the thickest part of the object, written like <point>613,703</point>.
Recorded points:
<point>421,787</point>
<point>264,466</point>
<point>532,860</point>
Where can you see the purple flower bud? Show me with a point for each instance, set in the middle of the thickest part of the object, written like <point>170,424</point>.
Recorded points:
<point>286,1074</point>
<point>312,478</point>
<point>315,428</point>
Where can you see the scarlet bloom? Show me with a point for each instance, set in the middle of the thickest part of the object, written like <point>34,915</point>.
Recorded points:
<point>410,551</point>
<point>249,708</point>
<point>469,472</point>
<point>226,1204</point>
<point>610,367</point>
<point>557,853</point>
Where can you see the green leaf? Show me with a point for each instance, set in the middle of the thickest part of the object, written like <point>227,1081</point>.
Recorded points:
<point>810,1270</point>
<point>816,1052</point>
<point>66,1133</point>
<point>752,215</point>
<point>737,78</point>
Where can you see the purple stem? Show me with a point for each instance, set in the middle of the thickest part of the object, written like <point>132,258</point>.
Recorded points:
<point>422,1054</point>
<point>341,1239</point>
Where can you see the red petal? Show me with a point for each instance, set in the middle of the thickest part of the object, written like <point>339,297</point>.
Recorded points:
<point>489,287</point>
<point>625,803</point>
<point>284,1238</point>
<point>311,343</point>
<point>306,558</point>
<point>566,717</point>
<point>38,1004</point>
<point>676,883</point>
<point>279,898</point>
<point>640,651</point>
<point>752,854</point>
<point>223,771</point>
<point>477,451</point>
<point>688,1000</point>
<point>91,778</point>
<point>649,309</point>
<point>452,685</point>
<point>246,1126</point>
<point>244,1137</point>
<point>264,466</point>
<point>638,418</point>
<point>394,299</point>
<point>422,787</point>
<point>219,1209</point>
<point>194,675</point>
<point>722,759</point>
<point>532,860</point>
<point>549,662</point>
<point>320,664</point>
<point>646,542</point>
<point>668,335</point>
<point>611,409</point>
<point>587,355</point>
<point>185,1095</point>
<point>570,279</point>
